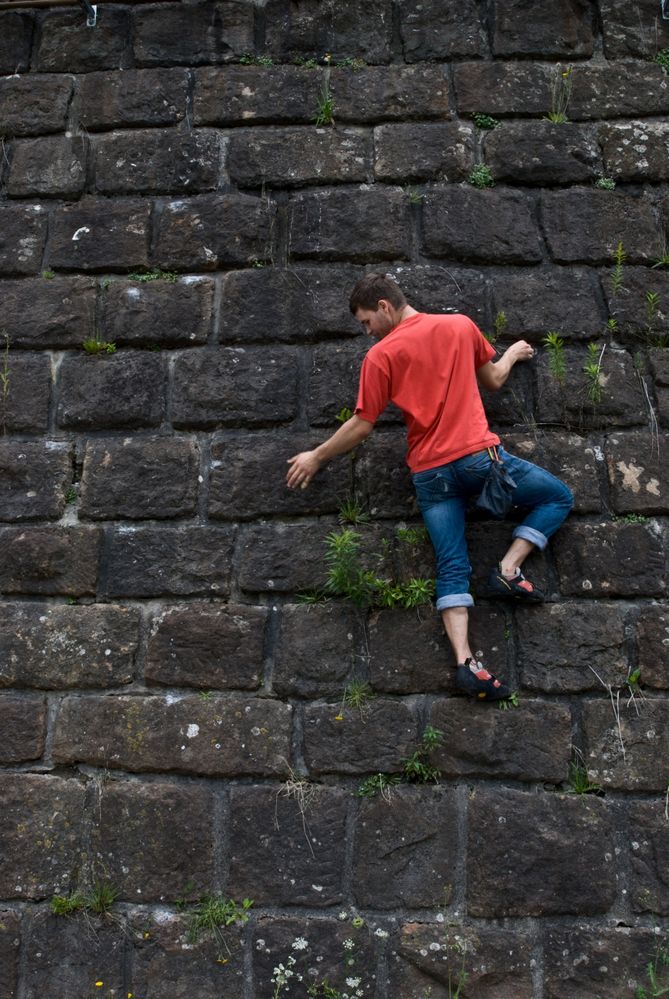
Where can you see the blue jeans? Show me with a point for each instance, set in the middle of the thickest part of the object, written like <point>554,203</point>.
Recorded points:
<point>442,495</point>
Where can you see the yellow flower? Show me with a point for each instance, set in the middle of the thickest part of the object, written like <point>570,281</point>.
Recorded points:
<point>221,960</point>
<point>99,984</point>
<point>339,718</point>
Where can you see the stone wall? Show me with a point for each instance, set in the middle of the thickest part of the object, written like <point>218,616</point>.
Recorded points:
<point>173,717</point>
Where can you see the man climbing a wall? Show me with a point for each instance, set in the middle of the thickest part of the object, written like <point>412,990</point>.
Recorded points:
<point>431,367</point>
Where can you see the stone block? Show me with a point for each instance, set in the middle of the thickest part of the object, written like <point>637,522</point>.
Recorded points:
<point>22,238</point>
<point>382,479</point>
<point>262,303</point>
<point>16,31</point>
<point>360,225</point>
<point>23,723</point>
<point>610,560</point>
<point>652,636</point>
<point>144,832</point>
<point>563,28</point>
<point>409,653</point>
<point>51,167</point>
<point>10,940</point>
<point>638,479</point>
<point>585,962</point>
<point>33,104</point>
<point>287,851</point>
<point>239,463</point>
<point>623,744</point>
<point>56,646</point>
<point>186,561</point>
<point>390,93</point>
<point>587,225</point>
<point>203,32</point>
<point>497,962</point>
<point>530,742</point>
<point>51,561</point>
<point>618,89</point>
<point>324,950</point>
<point>137,478</point>
<point>55,312</point>
<point>73,954</point>
<point>132,98</point>
<point>540,153</point>
<point>635,151</point>
<point>164,951</point>
<point>33,479</point>
<point>333,380</point>
<point>283,558</point>
<point>97,234</point>
<point>632,32</point>
<point>207,645</point>
<point>566,867</point>
<point>659,363</point>
<point>637,324</point>
<point>124,390</point>
<point>214,231</point>
<point>649,842</point>
<point>156,161</point>
<point>540,299</point>
<point>221,736</point>
<point>503,89</point>
<point>67,45</point>
<point>405,849</point>
<point>434,31</point>
<point>445,288</point>
<point>40,827</point>
<point>359,744</point>
<point>318,649</point>
<point>362,29</point>
<point>24,408</point>
<point>569,402</point>
<point>430,151</point>
<point>256,95</point>
<point>294,157</point>
<point>501,219</point>
<point>564,648</point>
<point>512,405</point>
<point>158,313</point>
<point>232,386</point>
<point>570,457</point>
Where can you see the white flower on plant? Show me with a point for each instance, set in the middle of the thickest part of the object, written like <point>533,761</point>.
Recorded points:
<point>299,943</point>
<point>343,915</point>
<point>380,933</point>
<point>348,944</point>
<point>353,983</point>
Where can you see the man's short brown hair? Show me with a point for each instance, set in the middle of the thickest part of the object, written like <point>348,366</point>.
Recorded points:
<point>371,288</point>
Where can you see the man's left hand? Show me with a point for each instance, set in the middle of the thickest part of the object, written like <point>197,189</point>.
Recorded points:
<point>302,469</point>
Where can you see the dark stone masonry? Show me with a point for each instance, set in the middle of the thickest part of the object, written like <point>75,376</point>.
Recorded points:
<point>191,189</point>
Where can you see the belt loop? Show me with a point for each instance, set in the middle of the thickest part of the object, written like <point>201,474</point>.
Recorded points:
<point>492,453</point>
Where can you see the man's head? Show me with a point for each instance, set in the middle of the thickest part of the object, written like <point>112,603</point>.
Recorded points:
<point>377,301</point>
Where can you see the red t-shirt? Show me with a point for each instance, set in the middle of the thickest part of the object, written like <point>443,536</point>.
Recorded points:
<point>427,367</point>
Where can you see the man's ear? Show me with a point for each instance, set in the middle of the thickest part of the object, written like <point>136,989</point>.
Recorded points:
<point>384,305</point>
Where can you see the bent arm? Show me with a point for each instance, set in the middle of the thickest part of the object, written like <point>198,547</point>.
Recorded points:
<point>495,373</point>
<point>304,466</point>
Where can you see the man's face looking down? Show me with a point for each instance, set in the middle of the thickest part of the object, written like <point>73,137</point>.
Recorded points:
<point>380,321</point>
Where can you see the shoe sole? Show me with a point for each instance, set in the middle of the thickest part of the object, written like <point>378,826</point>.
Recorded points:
<point>496,590</point>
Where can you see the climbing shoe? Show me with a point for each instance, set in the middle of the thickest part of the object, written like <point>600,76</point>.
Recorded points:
<point>474,679</point>
<point>516,588</point>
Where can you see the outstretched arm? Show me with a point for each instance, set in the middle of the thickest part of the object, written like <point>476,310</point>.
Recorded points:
<point>304,466</point>
<point>494,374</point>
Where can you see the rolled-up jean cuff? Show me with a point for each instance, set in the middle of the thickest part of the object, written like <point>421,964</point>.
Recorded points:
<point>454,600</point>
<point>529,534</point>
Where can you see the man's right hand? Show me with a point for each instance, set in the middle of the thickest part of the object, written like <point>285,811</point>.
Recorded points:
<point>303,467</point>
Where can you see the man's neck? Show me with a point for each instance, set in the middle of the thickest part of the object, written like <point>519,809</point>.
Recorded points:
<point>404,313</point>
